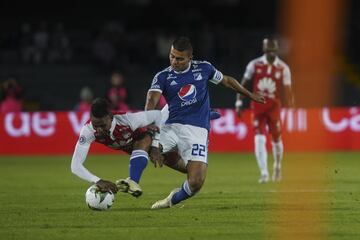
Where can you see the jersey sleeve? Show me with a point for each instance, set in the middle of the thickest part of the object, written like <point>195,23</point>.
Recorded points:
<point>250,70</point>
<point>81,150</point>
<point>286,76</point>
<point>164,113</point>
<point>142,119</point>
<point>157,83</point>
<point>215,75</point>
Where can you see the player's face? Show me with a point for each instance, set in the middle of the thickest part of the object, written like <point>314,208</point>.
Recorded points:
<point>102,125</point>
<point>179,61</point>
<point>270,48</point>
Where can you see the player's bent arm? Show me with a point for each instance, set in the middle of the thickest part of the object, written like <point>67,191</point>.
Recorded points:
<point>77,162</point>
<point>152,99</point>
<point>80,154</point>
<point>289,97</point>
<point>239,97</point>
<point>233,84</point>
<point>290,101</point>
<point>145,118</point>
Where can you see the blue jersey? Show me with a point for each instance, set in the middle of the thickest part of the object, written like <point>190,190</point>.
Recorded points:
<point>187,92</point>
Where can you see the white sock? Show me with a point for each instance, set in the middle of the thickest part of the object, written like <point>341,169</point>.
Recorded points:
<point>278,151</point>
<point>261,153</point>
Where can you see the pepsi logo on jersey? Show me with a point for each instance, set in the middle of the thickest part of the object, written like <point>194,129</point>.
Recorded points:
<point>188,94</point>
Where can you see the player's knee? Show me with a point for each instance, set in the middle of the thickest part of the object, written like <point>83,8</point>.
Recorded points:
<point>196,183</point>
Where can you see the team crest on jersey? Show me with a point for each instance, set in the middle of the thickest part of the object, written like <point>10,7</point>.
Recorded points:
<point>277,74</point>
<point>187,92</point>
<point>82,139</point>
<point>198,76</point>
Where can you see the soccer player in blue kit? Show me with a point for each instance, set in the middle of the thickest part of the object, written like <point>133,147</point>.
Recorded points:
<point>184,84</point>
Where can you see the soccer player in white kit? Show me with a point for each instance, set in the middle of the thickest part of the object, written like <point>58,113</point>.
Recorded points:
<point>184,84</point>
<point>130,132</point>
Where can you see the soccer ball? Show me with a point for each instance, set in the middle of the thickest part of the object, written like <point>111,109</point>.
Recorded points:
<point>97,200</point>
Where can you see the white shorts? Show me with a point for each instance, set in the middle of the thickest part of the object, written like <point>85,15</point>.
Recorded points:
<point>189,141</point>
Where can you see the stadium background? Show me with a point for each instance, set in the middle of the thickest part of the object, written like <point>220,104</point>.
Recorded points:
<point>135,42</point>
<point>318,197</point>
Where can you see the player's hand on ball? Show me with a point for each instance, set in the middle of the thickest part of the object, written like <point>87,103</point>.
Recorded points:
<point>106,186</point>
<point>258,98</point>
<point>156,157</point>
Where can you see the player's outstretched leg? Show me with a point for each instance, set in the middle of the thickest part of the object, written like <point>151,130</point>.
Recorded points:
<point>166,202</point>
<point>138,162</point>
<point>196,178</point>
<point>278,151</point>
<point>174,161</point>
<point>177,195</point>
<point>261,157</point>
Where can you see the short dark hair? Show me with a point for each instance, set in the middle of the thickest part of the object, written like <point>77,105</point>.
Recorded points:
<point>183,44</point>
<point>100,107</point>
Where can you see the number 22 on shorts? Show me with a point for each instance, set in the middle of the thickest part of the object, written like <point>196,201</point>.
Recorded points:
<point>198,150</point>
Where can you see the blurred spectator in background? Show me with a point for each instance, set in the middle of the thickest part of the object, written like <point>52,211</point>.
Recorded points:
<point>86,98</point>
<point>27,50</point>
<point>60,49</point>
<point>41,42</point>
<point>118,93</point>
<point>163,41</point>
<point>103,50</point>
<point>11,96</point>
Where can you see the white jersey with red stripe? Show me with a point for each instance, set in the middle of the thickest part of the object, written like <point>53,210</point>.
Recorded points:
<point>124,130</point>
<point>268,78</point>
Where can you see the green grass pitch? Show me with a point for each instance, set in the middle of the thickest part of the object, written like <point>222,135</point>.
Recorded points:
<point>41,199</point>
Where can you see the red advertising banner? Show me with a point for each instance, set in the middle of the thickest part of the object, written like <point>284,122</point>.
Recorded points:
<point>326,129</point>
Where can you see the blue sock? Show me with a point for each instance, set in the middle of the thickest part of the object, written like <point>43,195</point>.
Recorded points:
<point>183,194</point>
<point>138,162</point>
